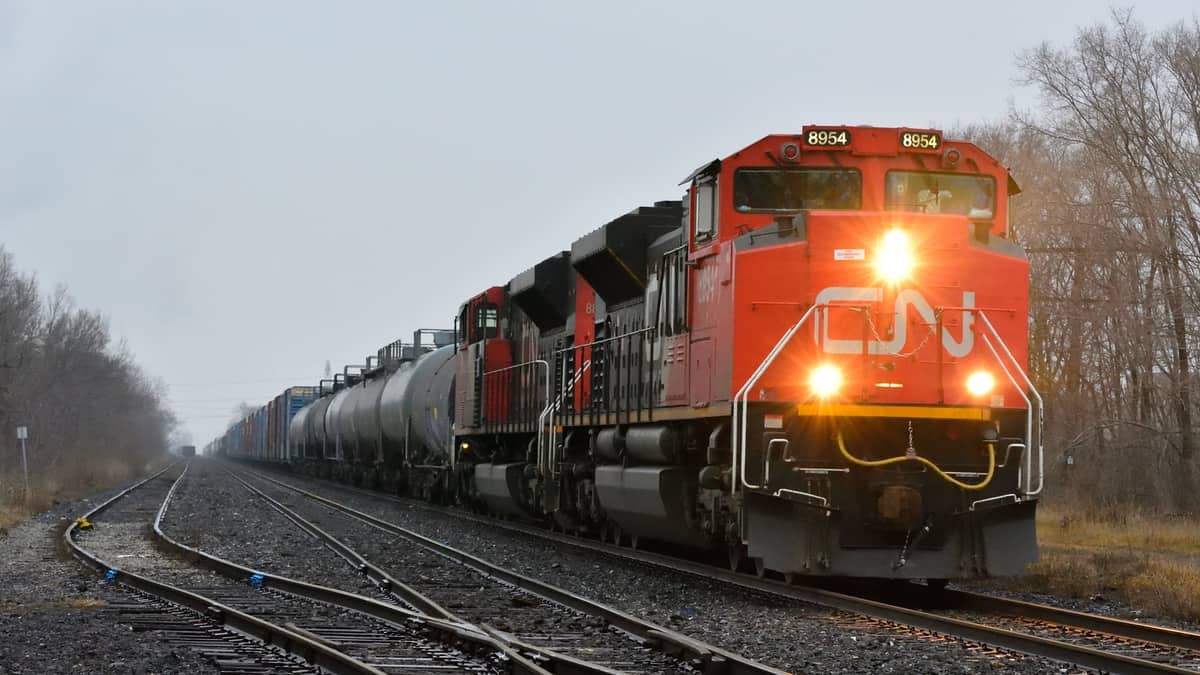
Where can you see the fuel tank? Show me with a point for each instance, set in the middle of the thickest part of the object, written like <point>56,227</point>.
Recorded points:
<point>416,405</point>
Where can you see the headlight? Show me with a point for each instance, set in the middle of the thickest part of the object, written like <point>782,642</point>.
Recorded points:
<point>980,383</point>
<point>825,380</point>
<point>894,257</point>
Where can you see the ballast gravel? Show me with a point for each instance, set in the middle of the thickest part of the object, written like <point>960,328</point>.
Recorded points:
<point>778,632</point>
<point>210,511</point>
<point>216,514</point>
<point>57,616</point>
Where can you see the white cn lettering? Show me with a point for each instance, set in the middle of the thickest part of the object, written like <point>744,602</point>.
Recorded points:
<point>904,299</point>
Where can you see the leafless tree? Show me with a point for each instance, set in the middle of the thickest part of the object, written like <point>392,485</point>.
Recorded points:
<point>85,402</point>
<point>1110,215</point>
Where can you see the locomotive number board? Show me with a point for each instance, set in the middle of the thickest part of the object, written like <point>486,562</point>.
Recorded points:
<point>827,138</point>
<point>920,140</point>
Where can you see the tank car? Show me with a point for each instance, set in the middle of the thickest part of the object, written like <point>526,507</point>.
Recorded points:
<point>387,423</point>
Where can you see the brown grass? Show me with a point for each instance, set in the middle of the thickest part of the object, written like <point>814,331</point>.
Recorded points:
<point>11,514</point>
<point>1118,528</point>
<point>1149,562</point>
<point>73,603</point>
<point>63,483</point>
<point>1169,588</point>
<point>86,603</point>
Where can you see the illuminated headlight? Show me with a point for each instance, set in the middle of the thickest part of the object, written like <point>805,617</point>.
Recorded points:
<point>825,380</point>
<point>980,383</point>
<point>894,257</point>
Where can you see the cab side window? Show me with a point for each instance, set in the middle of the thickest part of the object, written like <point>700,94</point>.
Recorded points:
<point>487,321</point>
<point>706,208</point>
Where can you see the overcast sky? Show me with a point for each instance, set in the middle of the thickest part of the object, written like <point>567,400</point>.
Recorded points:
<point>248,189</point>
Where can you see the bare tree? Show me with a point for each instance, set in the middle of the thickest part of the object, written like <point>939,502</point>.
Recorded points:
<point>83,399</point>
<point>1110,163</point>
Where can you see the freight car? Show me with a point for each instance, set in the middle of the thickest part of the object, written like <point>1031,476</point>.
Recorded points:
<point>814,361</point>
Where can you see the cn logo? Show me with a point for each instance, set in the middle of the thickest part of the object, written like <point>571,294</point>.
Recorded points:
<point>904,300</point>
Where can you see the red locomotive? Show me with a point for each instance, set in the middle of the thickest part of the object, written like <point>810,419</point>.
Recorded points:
<point>815,362</point>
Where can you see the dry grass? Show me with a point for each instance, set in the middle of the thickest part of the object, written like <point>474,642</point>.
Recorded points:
<point>63,483</point>
<point>86,603</point>
<point>1118,528</point>
<point>1169,588</point>
<point>73,603</point>
<point>1149,562</point>
<point>11,514</point>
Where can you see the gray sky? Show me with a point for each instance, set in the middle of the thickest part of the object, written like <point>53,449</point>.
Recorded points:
<point>250,188</point>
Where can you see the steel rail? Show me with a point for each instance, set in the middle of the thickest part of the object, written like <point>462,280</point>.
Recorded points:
<point>393,615</point>
<point>715,659</point>
<point>1086,657</point>
<point>562,663</point>
<point>311,651</point>
<point>1123,628</point>
<point>385,582</point>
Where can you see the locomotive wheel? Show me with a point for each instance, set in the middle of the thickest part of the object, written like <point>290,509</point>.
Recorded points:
<point>760,568</point>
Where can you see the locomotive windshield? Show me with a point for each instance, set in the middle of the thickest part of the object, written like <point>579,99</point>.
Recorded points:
<point>970,195</point>
<point>770,189</point>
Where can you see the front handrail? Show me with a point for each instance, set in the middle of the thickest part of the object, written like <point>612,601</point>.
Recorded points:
<point>738,441</point>
<point>1030,419</point>
<point>991,338</point>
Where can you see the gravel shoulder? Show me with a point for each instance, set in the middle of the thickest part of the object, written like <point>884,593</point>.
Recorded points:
<point>56,615</point>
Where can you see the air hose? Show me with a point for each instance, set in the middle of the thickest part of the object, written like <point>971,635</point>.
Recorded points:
<point>914,458</point>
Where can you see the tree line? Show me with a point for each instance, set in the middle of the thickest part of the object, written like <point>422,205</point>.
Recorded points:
<point>1109,163</point>
<point>92,414</point>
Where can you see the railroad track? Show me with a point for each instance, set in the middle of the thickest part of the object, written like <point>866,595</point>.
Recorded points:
<point>1139,640</point>
<point>237,642</point>
<point>250,622</point>
<point>1085,640</point>
<point>522,611</point>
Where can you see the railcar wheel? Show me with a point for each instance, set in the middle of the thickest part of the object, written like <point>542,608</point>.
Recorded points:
<point>616,534</point>
<point>791,578</point>
<point>760,568</point>
<point>633,542</point>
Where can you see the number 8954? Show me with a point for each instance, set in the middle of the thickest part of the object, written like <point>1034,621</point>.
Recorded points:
<point>920,141</point>
<point>827,137</point>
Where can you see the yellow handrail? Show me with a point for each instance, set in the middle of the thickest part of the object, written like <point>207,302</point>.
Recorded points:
<point>905,458</point>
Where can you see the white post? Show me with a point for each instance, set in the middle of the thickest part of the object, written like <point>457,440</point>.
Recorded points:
<point>22,434</point>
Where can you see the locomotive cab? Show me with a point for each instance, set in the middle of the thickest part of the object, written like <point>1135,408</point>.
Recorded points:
<point>482,349</point>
